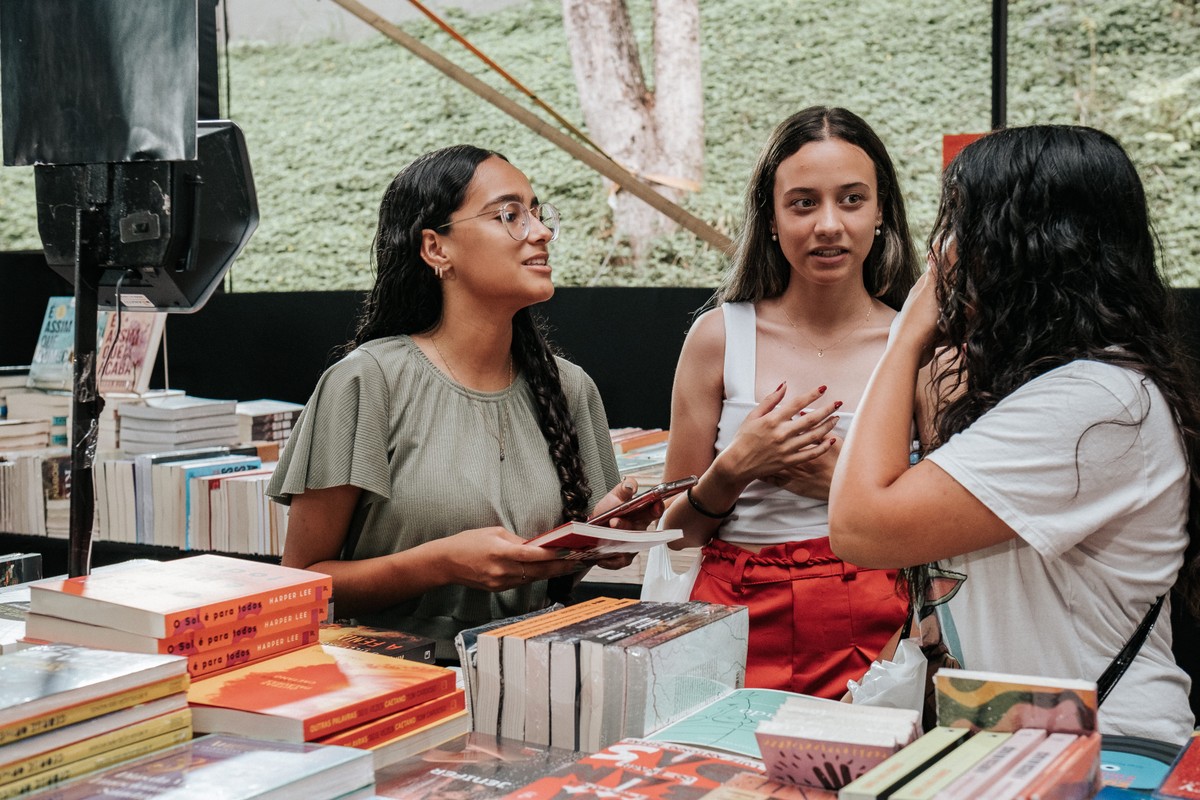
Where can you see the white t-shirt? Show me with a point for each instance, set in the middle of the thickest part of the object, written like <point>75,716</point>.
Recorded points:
<point>1086,464</point>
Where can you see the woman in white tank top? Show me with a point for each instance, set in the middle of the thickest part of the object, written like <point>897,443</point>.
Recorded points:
<point>764,391</point>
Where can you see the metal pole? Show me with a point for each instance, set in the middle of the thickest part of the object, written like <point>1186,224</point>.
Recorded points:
<point>85,400</point>
<point>999,64</point>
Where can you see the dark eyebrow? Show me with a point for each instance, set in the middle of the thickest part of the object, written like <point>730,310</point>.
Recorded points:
<point>859,185</point>
<point>506,198</point>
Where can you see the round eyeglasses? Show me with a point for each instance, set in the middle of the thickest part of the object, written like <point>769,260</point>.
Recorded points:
<point>517,219</point>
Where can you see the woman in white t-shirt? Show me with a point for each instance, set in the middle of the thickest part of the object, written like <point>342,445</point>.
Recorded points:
<point>1062,466</point>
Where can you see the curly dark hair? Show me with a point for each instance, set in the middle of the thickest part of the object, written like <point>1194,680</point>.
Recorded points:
<point>1046,255</point>
<point>759,269</point>
<point>407,299</point>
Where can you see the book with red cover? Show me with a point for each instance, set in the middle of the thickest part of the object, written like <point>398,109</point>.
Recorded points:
<point>377,732</point>
<point>1183,780</point>
<point>166,598</point>
<point>585,540</point>
<point>127,354</point>
<point>312,693</point>
<point>1074,775</point>
<point>211,662</point>
<point>642,769</point>
<point>221,637</point>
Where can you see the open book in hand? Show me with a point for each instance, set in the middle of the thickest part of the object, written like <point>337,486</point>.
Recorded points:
<point>587,541</point>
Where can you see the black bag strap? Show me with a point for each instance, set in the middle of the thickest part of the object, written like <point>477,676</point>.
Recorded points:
<point>1124,658</point>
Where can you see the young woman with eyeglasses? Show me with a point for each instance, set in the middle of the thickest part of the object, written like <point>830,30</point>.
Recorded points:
<point>449,432</point>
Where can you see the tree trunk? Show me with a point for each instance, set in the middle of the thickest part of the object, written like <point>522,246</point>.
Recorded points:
<point>656,133</point>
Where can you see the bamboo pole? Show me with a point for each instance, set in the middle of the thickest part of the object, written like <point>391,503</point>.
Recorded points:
<point>605,166</point>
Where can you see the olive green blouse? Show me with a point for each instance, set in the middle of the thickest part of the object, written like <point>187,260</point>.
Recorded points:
<point>426,453</point>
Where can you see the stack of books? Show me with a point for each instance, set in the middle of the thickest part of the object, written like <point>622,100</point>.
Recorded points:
<point>12,381</point>
<point>160,499</point>
<point>230,768</point>
<point>266,420</point>
<point>34,483</point>
<point>49,406</point>
<point>810,741</point>
<point>66,711</point>
<point>999,737</point>
<point>641,453</point>
<point>216,611</point>
<point>24,434</point>
<point>175,422</point>
<point>334,695</point>
<point>582,677</point>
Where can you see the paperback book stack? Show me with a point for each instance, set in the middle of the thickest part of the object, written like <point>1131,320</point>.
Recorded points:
<point>160,499</point>
<point>585,676</point>
<point>24,434</point>
<point>51,407</point>
<point>810,741</point>
<point>223,767</point>
<point>999,737</point>
<point>35,491</point>
<point>66,711</point>
<point>215,611</point>
<point>176,422</point>
<point>266,420</point>
<point>334,695</point>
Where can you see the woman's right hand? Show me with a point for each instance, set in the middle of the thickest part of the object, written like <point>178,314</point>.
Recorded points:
<point>494,560</point>
<point>777,435</point>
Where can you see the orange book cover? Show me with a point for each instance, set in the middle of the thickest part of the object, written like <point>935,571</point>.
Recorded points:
<point>639,440</point>
<point>385,729</point>
<point>39,627</point>
<point>312,692</point>
<point>167,598</point>
<point>211,662</point>
<point>1074,775</point>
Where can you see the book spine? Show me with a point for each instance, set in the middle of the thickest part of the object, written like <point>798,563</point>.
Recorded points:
<point>993,765</point>
<point>210,662</point>
<point>1074,774</point>
<point>102,743</point>
<point>247,608</point>
<point>1024,772</point>
<point>951,766</point>
<point>881,780</point>
<point>94,708</point>
<point>100,761</point>
<point>392,726</point>
<point>337,720</point>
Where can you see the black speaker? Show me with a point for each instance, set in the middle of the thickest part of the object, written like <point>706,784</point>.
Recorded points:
<point>169,229</point>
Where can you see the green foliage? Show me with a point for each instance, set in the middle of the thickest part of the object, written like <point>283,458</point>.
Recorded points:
<point>328,124</point>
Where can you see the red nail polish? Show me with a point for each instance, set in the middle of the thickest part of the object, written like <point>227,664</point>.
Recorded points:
<point>822,389</point>
<point>832,442</point>
<point>802,413</point>
<point>837,405</point>
<point>781,385</point>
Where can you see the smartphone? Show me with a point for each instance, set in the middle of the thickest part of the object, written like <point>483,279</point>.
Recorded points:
<point>660,492</point>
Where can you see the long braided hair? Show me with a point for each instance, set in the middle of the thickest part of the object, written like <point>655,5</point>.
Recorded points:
<point>407,299</point>
<point>1055,262</point>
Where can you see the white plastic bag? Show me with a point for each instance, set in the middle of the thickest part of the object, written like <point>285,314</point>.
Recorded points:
<point>661,583</point>
<point>895,683</point>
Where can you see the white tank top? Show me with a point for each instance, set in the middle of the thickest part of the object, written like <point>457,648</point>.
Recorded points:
<point>764,514</point>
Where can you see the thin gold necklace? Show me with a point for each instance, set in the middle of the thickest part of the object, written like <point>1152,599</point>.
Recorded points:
<point>502,412</point>
<point>821,350</point>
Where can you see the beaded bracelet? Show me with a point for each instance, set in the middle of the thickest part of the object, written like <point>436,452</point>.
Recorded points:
<point>704,511</point>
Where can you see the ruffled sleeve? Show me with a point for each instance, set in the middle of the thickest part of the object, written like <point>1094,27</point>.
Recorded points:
<point>342,436</point>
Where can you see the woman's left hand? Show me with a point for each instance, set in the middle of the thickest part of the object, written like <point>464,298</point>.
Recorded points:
<point>917,324</point>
